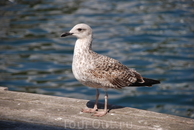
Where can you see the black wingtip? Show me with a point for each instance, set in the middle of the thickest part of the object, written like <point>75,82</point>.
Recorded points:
<point>147,82</point>
<point>151,81</point>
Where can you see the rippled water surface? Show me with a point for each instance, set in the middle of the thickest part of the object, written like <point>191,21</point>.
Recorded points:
<point>154,37</point>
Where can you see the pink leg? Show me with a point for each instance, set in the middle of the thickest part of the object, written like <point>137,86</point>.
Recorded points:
<point>104,112</point>
<point>88,110</point>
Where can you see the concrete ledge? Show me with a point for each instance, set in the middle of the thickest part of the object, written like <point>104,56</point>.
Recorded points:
<point>50,112</point>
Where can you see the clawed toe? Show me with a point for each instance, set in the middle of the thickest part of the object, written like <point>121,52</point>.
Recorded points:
<point>88,110</point>
<point>100,113</point>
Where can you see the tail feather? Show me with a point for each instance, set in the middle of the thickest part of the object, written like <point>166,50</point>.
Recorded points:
<point>148,82</point>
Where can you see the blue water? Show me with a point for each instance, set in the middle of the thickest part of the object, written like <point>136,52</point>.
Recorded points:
<point>154,37</point>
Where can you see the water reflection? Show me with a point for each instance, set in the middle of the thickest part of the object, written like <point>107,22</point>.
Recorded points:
<point>154,37</point>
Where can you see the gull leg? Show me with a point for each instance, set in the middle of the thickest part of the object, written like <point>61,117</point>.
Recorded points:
<point>96,102</point>
<point>88,110</point>
<point>104,112</point>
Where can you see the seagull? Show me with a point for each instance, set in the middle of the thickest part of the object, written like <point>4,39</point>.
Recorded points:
<point>99,71</point>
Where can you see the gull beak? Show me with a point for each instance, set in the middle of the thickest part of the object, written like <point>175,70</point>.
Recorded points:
<point>66,34</point>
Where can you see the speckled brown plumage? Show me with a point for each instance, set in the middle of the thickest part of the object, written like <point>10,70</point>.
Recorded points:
<point>112,74</point>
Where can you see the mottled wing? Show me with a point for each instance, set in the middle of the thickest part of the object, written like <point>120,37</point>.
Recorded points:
<point>113,74</point>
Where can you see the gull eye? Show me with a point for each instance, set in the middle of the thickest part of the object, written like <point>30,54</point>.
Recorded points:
<point>79,29</point>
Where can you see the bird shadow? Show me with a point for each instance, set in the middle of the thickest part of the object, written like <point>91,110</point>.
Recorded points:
<point>90,104</point>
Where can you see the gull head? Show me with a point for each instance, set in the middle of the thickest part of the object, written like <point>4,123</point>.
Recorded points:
<point>81,31</point>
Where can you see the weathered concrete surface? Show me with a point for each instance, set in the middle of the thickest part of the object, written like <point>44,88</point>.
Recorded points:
<point>15,125</point>
<point>61,112</point>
